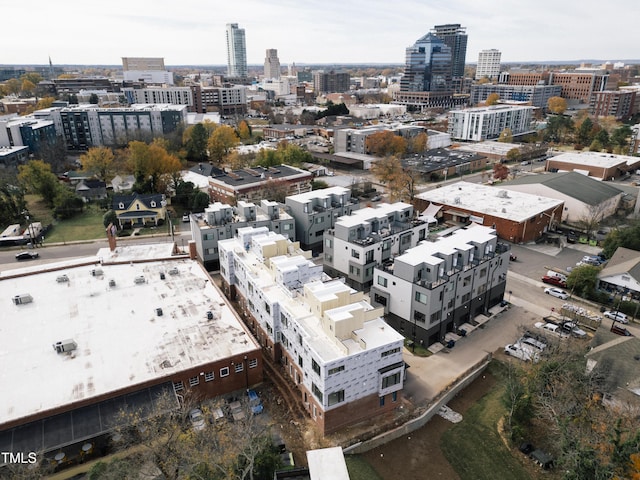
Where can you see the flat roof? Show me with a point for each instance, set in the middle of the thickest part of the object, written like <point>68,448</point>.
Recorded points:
<point>475,197</point>
<point>367,214</point>
<point>322,193</point>
<point>494,148</point>
<point>327,463</point>
<point>258,175</point>
<point>121,339</point>
<point>595,159</point>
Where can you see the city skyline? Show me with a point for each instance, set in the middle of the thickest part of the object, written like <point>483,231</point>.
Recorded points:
<point>193,32</point>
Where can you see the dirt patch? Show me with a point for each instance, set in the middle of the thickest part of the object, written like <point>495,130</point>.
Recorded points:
<point>418,453</point>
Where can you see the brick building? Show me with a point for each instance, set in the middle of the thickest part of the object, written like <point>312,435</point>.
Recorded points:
<point>604,166</point>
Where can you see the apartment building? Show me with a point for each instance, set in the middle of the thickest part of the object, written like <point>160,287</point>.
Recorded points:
<point>355,140</point>
<point>318,210</point>
<point>620,104</point>
<point>332,81</point>
<point>437,287</point>
<point>345,361</point>
<point>221,221</point>
<point>226,100</point>
<point>486,123</point>
<point>536,95</point>
<point>27,131</point>
<point>488,64</point>
<point>370,237</point>
<point>579,86</point>
<point>161,95</point>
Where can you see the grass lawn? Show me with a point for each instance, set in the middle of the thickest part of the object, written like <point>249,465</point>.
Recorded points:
<point>474,448</point>
<point>360,469</point>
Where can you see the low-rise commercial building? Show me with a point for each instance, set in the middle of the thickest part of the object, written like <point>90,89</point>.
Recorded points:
<point>437,287</point>
<point>602,166</point>
<point>345,361</point>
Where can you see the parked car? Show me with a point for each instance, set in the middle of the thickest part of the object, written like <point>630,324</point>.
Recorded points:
<point>27,256</point>
<point>197,419</point>
<point>520,351</point>
<point>185,218</point>
<point>572,329</point>
<point>556,292</point>
<point>376,198</point>
<point>533,343</point>
<point>621,331</point>
<point>558,282</point>
<point>551,328</point>
<point>617,316</point>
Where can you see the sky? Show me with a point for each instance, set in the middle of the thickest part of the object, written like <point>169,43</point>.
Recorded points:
<point>192,32</point>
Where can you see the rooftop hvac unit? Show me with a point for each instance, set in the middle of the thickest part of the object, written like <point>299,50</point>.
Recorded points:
<point>159,312</point>
<point>22,299</point>
<point>139,279</point>
<point>65,346</point>
<point>209,315</point>
<point>97,272</point>
<point>112,283</point>
<point>162,277</point>
<point>174,271</point>
<point>62,278</point>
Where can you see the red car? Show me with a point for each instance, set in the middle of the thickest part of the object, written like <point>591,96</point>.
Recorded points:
<point>554,281</point>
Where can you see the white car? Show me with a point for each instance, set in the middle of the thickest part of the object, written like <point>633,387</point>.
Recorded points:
<point>617,316</point>
<point>572,329</point>
<point>197,419</point>
<point>556,292</point>
<point>520,351</point>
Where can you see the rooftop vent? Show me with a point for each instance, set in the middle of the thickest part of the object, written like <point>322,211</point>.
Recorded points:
<point>174,271</point>
<point>139,279</point>
<point>503,194</point>
<point>97,272</point>
<point>65,346</point>
<point>22,299</point>
<point>62,279</point>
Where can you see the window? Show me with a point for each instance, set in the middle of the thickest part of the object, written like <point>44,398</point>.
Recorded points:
<point>483,272</point>
<point>209,236</point>
<point>193,381</point>
<point>354,270</point>
<point>267,307</point>
<point>382,281</point>
<point>300,361</point>
<point>316,391</point>
<point>391,380</point>
<point>319,219</point>
<point>283,320</point>
<point>380,299</point>
<point>287,226</point>
<point>336,370</point>
<point>153,204</point>
<point>419,316</point>
<point>239,367</point>
<point>421,297</point>
<point>328,243</point>
<point>336,397</point>
<point>382,401</point>
<point>394,396</point>
<point>178,386</point>
<point>224,372</point>
<point>208,377</point>
<point>435,316</point>
<point>253,362</point>
<point>466,297</point>
<point>355,253</point>
<point>390,352</point>
<point>466,281</point>
<point>315,366</point>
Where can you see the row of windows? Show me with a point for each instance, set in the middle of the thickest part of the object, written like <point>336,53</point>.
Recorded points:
<point>210,376</point>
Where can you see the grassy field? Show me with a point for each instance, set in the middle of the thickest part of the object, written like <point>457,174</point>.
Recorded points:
<point>359,468</point>
<point>474,448</point>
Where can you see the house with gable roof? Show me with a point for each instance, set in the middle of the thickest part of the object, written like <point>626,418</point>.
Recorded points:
<point>622,273</point>
<point>140,210</point>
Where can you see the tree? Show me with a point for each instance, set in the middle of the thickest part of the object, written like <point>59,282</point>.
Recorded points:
<point>506,136</point>
<point>591,218</point>
<point>557,127</point>
<point>152,166</point>
<point>583,279</point>
<point>221,141</point>
<point>13,86</point>
<point>32,77</point>
<point>244,131</point>
<point>500,171</point>
<point>385,143</point>
<point>492,99</point>
<point>584,131</point>
<point>98,161</point>
<point>595,146</point>
<point>275,190</point>
<point>195,139</point>
<point>620,138</point>
<point>12,202</point>
<point>557,105</point>
<point>37,178</point>
<point>627,237</point>
<point>109,217</point>
<point>199,201</point>
<point>93,99</point>
<point>419,143</point>
<point>603,137</point>
<point>319,185</point>
<point>54,153</point>
<point>400,183</point>
<point>67,204</point>
<point>513,155</point>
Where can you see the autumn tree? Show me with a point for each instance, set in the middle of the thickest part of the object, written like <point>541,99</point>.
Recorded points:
<point>221,141</point>
<point>13,86</point>
<point>492,99</point>
<point>244,131</point>
<point>32,77</point>
<point>275,190</point>
<point>557,128</point>
<point>400,183</point>
<point>506,136</point>
<point>500,171</point>
<point>151,165</point>
<point>628,237</point>
<point>419,143</point>
<point>27,87</point>
<point>385,143</point>
<point>98,161</point>
<point>557,105</point>
<point>36,177</point>
<point>513,155</point>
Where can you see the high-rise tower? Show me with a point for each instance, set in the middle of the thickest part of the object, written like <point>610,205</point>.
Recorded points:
<point>488,64</point>
<point>236,51</point>
<point>272,64</point>
<point>455,37</point>
<point>428,66</point>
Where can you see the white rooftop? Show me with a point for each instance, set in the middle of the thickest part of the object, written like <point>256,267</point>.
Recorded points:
<point>496,148</point>
<point>461,239</point>
<point>322,193</point>
<point>121,339</point>
<point>327,463</point>
<point>475,197</point>
<point>595,159</point>
<point>365,215</point>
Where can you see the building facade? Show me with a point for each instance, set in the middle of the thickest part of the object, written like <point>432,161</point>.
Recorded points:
<point>342,357</point>
<point>603,166</point>
<point>27,132</point>
<point>619,104</point>
<point>428,66</point>
<point>486,123</point>
<point>355,140</point>
<point>161,95</point>
<point>579,86</point>
<point>329,82</point>
<point>272,64</point>
<point>317,211</point>
<point>236,51</point>
<point>438,287</point>
<point>225,100</point>
<point>488,64</point>
<point>220,221</point>
<point>535,95</point>
<point>370,237</point>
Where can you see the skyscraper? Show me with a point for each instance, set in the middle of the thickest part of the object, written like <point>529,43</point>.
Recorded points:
<point>236,51</point>
<point>272,64</point>
<point>428,66</point>
<point>488,64</point>
<point>455,37</point>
